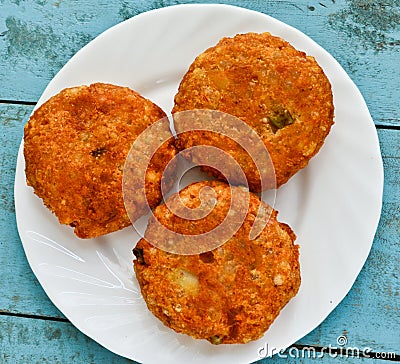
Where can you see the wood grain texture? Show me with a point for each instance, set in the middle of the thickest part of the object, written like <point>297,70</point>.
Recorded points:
<point>20,290</point>
<point>37,342</point>
<point>368,316</point>
<point>37,37</point>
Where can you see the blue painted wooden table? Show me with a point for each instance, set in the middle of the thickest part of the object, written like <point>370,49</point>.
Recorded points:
<point>37,37</point>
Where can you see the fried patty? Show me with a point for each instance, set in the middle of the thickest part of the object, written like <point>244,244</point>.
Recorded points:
<point>75,146</point>
<point>280,92</point>
<point>230,294</point>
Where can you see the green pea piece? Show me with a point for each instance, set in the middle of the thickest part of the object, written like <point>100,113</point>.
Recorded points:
<point>216,339</point>
<point>279,119</point>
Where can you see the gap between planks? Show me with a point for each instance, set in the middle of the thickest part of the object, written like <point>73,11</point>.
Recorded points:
<point>391,127</point>
<point>37,317</point>
<point>15,102</point>
<point>340,351</point>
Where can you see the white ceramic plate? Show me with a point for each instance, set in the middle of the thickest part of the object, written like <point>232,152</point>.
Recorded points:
<point>333,205</point>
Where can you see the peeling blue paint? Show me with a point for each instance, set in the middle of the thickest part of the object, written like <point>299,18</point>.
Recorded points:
<point>35,42</point>
<point>129,9</point>
<point>369,23</point>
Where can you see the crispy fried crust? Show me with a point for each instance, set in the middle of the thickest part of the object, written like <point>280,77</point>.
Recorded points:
<point>231,294</point>
<point>279,91</point>
<point>75,146</point>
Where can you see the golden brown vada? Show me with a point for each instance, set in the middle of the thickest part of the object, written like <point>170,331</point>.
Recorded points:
<point>279,91</point>
<point>75,146</point>
<point>230,294</point>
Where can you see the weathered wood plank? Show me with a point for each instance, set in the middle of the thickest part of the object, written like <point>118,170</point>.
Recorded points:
<point>20,290</point>
<point>368,316</point>
<point>38,341</point>
<point>25,340</point>
<point>38,37</point>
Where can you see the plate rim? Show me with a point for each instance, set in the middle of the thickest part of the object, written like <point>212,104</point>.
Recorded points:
<point>44,97</point>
